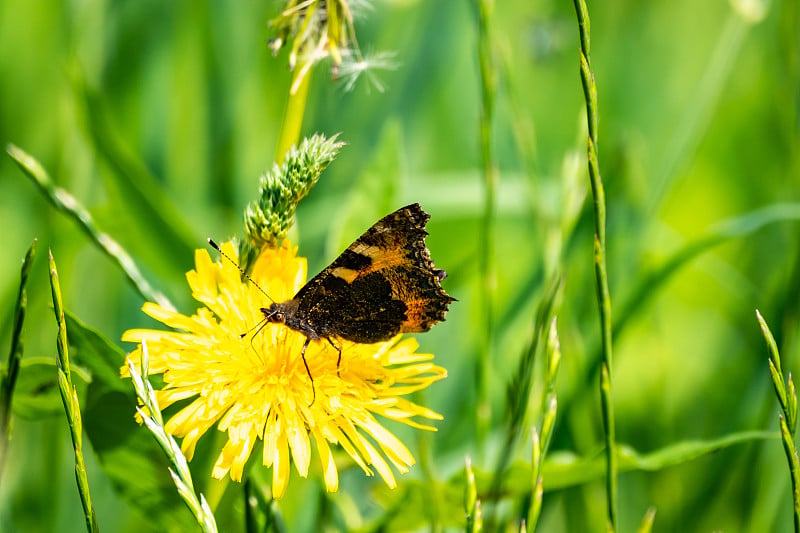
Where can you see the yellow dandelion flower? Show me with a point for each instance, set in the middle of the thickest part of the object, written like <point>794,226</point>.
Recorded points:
<point>257,387</point>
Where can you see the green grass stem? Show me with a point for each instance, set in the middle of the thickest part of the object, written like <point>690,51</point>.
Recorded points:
<point>471,503</point>
<point>8,380</point>
<point>787,398</point>
<point>600,267</point>
<point>69,205</point>
<point>542,438</point>
<point>69,398</point>
<point>144,194</point>
<point>488,74</point>
<point>521,386</point>
<point>181,476</point>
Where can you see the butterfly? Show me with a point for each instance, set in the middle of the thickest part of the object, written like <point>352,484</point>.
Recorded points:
<point>383,284</point>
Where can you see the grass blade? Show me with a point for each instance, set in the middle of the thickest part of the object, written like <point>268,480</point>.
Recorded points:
<point>787,417</point>
<point>181,476</point>
<point>66,203</point>
<point>600,267</point>
<point>11,372</point>
<point>69,397</point>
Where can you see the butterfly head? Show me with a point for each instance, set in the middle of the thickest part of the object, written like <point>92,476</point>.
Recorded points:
<point>288,313</point>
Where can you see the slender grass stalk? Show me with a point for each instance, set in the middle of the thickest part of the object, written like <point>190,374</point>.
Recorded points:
<point>787,398</point>
<point>520,389</point>
<point>69,205</point>
<point>8,380</point>
<point>144,193</point>
<point>69,397</point>
<point>600,268</point>
<point>293,119</point>
<point>151,415</point>
<point>472,505</point>
<point>488,73</point>
<point>541,445</point>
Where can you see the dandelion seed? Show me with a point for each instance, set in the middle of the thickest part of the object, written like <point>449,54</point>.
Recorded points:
<point>353,66</point>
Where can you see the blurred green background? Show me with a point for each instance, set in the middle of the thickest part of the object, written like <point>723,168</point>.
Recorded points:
<point>699,137</point>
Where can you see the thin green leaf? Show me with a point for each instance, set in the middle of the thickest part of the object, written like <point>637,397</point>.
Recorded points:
<point>647,521</point>
<point>470,497</point>
<point>37,395</point>
<point>565,469</point>
<point>97,354</point>
<point>774,354</point>
<point>790,450</point>
<point>69,397</point>
<point>122,446</point>
<point>778,385</point>
<point>8,380</point>
<point>144,195</point>
<point>70,206</point>
<point>179,468</point>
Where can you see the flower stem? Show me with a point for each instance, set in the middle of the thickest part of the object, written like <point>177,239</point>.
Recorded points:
<point>9,376</point>
<point>600,268</point>
<point>69,397</point>
<point>488,72</point>
<point>293,119</point>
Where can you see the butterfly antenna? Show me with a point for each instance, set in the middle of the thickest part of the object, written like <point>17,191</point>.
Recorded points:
<point>234,263</point>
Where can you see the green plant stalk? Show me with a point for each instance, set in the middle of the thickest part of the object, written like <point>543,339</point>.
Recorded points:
<point>69,397</point>
<point>11,372</point>
<point>788,416</point>
<point>471,503</point>
<point>179,471</point>
<point>600,268</point>
<point>293,119</point>
<point>68,204</point>
<point>488,73</point>
<point>537,482</point>
<point>790,449</point>
<point>548,421</point>
<point>141,189</point>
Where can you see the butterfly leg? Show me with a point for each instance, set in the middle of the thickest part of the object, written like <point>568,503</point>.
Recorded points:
<point>338,349</point>
<point>303,356</point>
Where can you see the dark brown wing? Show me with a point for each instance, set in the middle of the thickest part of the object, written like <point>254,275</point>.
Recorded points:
<point>382,284</point>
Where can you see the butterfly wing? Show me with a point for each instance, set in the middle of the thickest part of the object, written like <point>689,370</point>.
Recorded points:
<point>382,284</point>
